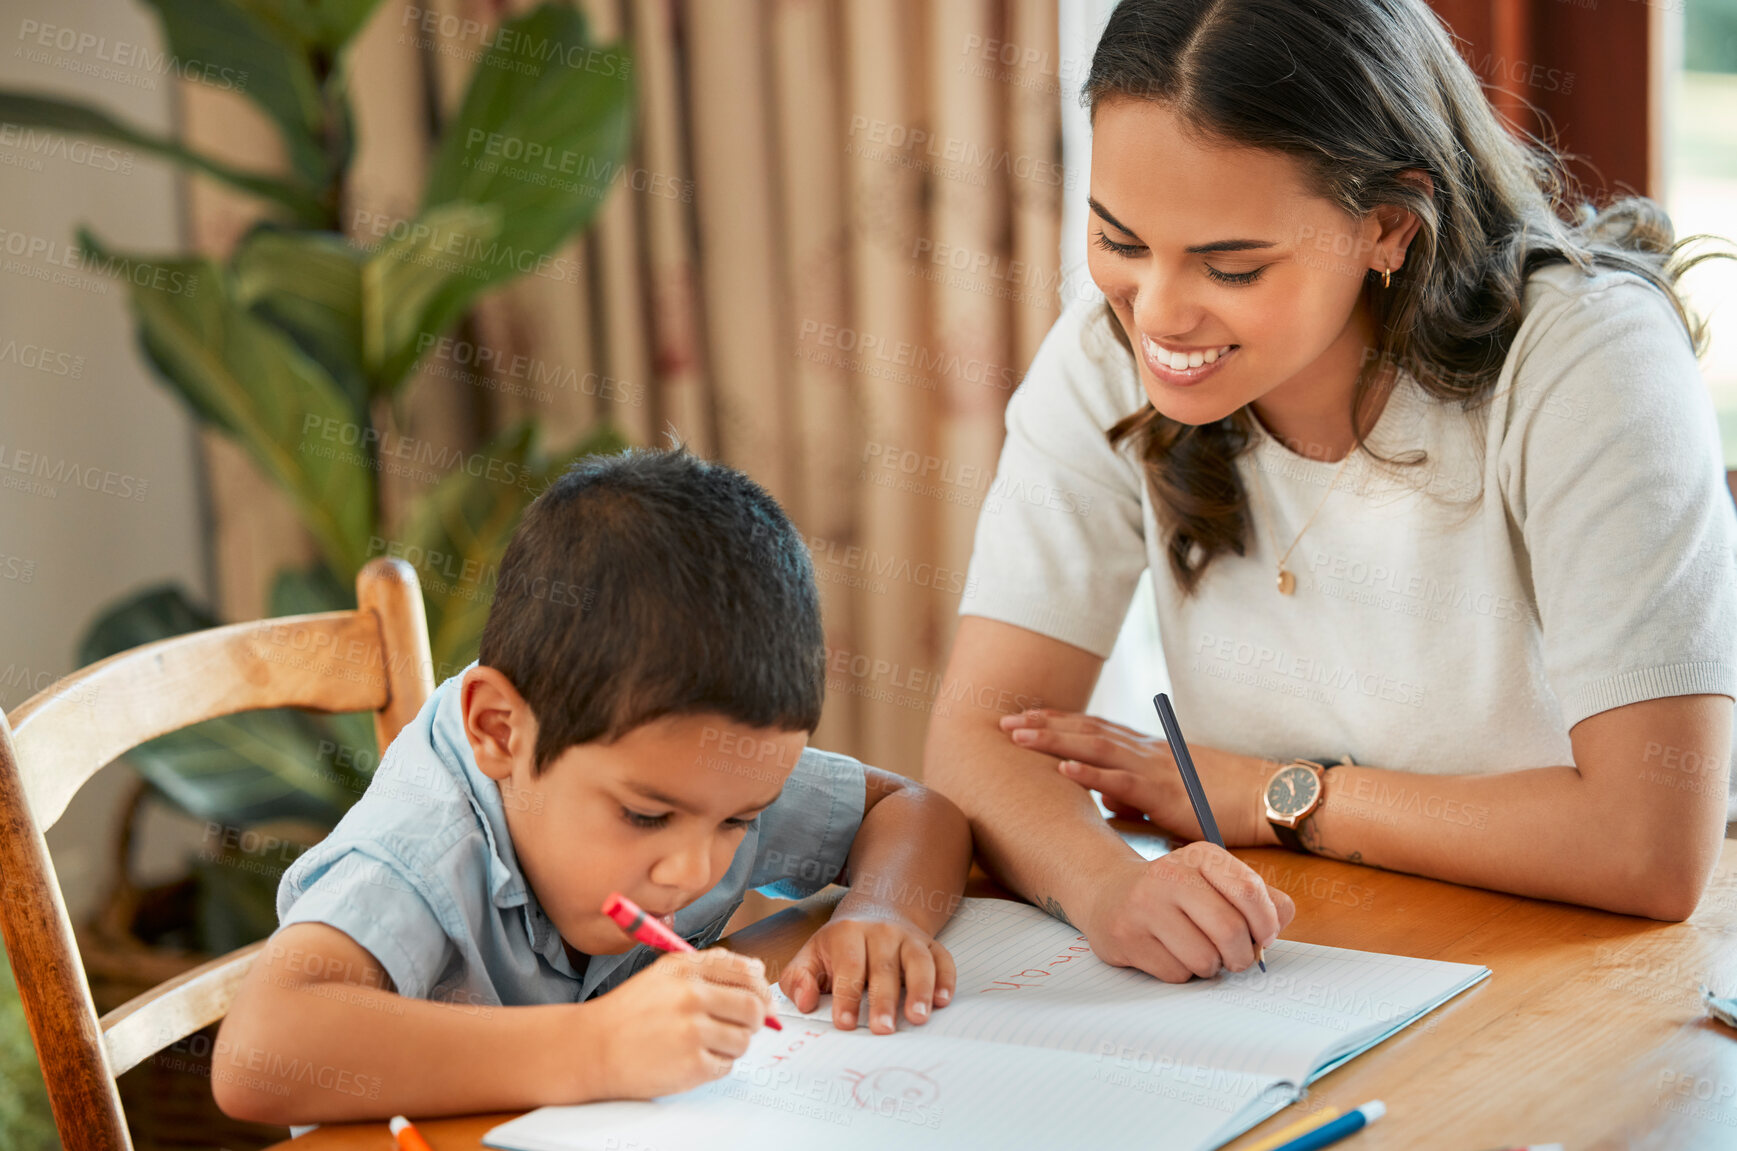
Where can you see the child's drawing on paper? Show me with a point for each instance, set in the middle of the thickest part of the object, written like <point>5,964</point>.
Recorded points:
<point>888,1088</point>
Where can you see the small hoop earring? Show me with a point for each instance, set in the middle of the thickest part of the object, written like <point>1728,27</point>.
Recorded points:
<point>1387,277</point>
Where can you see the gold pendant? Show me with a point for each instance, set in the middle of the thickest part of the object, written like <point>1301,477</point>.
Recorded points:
<point>1287,582</point>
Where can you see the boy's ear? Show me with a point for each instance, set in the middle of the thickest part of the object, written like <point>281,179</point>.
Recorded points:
<point>497,722</point>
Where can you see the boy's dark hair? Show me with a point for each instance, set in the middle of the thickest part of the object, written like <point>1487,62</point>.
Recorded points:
<point>656,583</point>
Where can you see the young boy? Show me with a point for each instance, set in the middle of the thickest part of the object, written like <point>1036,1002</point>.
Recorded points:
<point>651,667</point>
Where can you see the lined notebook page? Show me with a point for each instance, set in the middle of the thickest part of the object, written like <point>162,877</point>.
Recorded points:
<point>1031,980</point>
<point>813,1086</point>
<point>1045,1047</point>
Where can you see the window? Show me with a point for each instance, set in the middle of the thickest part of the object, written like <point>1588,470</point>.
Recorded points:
<point>1700,184</point>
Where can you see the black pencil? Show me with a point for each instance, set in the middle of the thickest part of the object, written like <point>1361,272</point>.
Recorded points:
<point>1191,781</point>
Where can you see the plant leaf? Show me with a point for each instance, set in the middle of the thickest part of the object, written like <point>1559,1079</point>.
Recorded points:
<point>310,285</point>
<point>228,47</point>
<point>27,110</point>
<point>416,284</point>
<point>542,100</point>
<point>252,380</point>
<point>154,613</point>
<point>316,26</point>
<point>459,531</point>
<point>302,591</point>
<point>26,1120</point>
<point>541,89</point>
<point>247,768</point>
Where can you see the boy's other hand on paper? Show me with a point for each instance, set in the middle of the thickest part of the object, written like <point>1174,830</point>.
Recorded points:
<point>681,1022</point>
<point>876,951</point>
<point>1195,911</point>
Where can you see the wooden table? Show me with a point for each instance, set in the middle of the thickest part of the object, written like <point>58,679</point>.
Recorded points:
<point>1589,1031</point>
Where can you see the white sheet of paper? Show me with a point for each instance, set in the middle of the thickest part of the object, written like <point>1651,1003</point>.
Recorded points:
<point>1043,1042</point>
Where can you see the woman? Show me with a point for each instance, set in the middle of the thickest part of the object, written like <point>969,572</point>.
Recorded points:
<point>1497,609</point>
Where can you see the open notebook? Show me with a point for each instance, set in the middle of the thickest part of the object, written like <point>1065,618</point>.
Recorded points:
<point>1043,1045</point>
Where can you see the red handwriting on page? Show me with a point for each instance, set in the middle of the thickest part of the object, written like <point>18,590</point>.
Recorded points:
<point>796,1043</point>
<point>1032,976</point>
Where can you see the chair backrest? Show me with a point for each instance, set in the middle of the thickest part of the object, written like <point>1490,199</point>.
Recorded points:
<point>375,658</point>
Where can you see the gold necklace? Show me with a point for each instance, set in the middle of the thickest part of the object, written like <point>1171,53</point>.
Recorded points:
<point>1286,581</point>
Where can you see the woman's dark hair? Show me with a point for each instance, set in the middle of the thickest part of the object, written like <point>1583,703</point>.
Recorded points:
<point>1357,91</point>
<point>656,583</point>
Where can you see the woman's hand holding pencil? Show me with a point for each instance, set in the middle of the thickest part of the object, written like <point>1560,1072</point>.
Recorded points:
<point>1195,911</point>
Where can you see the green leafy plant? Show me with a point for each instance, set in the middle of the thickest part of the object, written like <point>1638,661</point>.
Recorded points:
<point>296,343</point>
<point>25,1120</point>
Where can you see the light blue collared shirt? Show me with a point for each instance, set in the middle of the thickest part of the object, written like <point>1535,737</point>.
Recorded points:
<point>421,872</point>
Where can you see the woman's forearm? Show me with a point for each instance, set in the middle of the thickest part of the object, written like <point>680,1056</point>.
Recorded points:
<point>1636,827</point>
<point>1036,832</point>
<point>1543,832</point>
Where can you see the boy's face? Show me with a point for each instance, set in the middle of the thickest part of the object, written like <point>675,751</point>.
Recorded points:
<point>656,816</point>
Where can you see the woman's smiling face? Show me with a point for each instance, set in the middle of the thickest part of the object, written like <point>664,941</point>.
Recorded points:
<point>1200,248</point>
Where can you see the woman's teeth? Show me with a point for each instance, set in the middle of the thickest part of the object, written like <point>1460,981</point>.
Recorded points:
<point>1181,361</point>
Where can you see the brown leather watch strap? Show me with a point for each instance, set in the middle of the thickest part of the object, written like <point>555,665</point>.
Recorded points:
<point>1288,836</point>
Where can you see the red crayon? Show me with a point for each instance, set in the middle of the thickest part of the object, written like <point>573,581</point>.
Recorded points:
<point>632,918</point>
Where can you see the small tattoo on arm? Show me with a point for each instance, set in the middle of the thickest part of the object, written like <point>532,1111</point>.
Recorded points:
<point>1054,907</point>
<point>1310,836</point>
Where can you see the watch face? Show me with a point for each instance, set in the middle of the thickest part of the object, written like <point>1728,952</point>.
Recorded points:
<point>1292,791</point>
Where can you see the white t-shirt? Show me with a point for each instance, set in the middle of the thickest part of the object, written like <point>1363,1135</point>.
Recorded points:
<point>1430,631</point>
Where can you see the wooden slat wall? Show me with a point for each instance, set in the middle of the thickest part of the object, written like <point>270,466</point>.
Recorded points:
<point>739,241</point>
<point>679,396</point>
<point>886,218</point>
<point>806,56</point>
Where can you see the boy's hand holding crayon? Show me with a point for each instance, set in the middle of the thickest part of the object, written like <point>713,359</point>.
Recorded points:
<point>870,948</point>
<point>679,1023</point>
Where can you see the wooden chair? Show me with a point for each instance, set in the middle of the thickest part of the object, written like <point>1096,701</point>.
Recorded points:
<point>373,659</point>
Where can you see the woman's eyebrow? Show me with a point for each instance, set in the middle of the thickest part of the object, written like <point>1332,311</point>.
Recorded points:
<point>1215,246</point>
<point>1230,246</point>
<point>1105,213</point>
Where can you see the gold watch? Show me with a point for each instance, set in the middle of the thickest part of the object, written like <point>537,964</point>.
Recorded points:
<point>1292,795</point>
